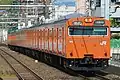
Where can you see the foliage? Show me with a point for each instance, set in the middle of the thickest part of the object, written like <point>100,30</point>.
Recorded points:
<point>115,36</point>
<point>12,29</point>
<point>113,23</point>
<point>5,2</point>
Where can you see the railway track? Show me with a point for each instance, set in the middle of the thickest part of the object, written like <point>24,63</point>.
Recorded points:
<point>24,74</point>
<point>93,76</point>
<point>101,77</point>
<point>21,70</point>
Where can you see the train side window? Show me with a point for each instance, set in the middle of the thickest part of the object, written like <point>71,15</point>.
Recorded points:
<point>46,33</point>
<point>60,32</point>
<point>42,33</point>
<point>50,33</point>
<point>54,32</point>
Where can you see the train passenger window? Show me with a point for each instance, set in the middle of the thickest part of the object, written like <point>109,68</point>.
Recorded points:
<point>87,30</point>
<point>50,33</point>
<point>60,32</point>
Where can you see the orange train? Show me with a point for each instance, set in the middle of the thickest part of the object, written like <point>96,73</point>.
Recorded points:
<point>81,43</point>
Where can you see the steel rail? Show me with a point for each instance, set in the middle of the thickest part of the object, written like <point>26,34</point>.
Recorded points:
<point>67,70</point>
<point>101,77</point>
<point>84,77</point>
<point>31,71</point>
<point>17,74</point>
<point>98,74</point>
<point>77,74</point>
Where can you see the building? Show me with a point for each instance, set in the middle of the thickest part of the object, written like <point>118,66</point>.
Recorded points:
<point>38,15</point>
<point>2,12</point>
<point>30,15</point>
<point>81,6</point>
<point>99,8</point>
<point>61,8</point>
<point>115,13</point>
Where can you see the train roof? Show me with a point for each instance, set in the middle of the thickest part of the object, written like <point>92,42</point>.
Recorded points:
<point>62,19</point>
<point>74,15</point>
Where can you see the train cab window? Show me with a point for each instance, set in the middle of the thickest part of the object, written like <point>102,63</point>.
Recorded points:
<point>100,31</point>
<point>87,30</point>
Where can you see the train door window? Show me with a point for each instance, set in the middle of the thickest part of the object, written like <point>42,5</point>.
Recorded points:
<point>60,32</point>
<point>54,33</point>
<point>46,34</point>
<point>50,33</point>
<point>42,33</point>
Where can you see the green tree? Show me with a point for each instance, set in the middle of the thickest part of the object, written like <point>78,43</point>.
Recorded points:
<point>5,2</point>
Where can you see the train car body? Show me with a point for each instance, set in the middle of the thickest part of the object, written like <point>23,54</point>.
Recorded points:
<point>81,43</point>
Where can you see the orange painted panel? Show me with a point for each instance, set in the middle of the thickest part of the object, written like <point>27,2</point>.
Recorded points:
<point>55,38</point>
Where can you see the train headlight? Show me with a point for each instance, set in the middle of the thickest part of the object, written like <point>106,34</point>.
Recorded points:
<point>88,20</point>
<point>77,23</point>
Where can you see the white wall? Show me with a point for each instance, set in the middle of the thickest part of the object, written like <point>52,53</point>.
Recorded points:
<point>81,6</point>
<point>63,10</point>
<point>60,11</point>
<point>3,35</point>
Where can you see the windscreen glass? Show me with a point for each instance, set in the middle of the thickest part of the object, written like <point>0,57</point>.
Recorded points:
<point>87,30</point>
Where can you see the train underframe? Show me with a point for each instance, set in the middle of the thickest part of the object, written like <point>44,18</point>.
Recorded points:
<point>85,64</point>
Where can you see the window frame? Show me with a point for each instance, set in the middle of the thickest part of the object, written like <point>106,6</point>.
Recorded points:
<point>89,35</point>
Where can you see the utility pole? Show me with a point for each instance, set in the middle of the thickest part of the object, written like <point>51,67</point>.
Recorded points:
<point>46,9</point>
<point>27,15</point>
<point>89,5</point>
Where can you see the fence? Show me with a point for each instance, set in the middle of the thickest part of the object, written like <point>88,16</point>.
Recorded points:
<point>115,49</point>
<point>115,53</point>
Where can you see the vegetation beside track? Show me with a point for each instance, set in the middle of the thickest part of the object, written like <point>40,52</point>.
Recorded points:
<point>5,2</point>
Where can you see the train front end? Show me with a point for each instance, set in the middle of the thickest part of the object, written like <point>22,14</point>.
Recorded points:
<point>87,43</point>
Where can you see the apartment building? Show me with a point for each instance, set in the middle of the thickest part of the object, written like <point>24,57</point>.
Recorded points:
<point>62,8</point>
<point>31,15</point>
<point>115,12</point>
<point>99,8</point>
<point>81,6</point>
